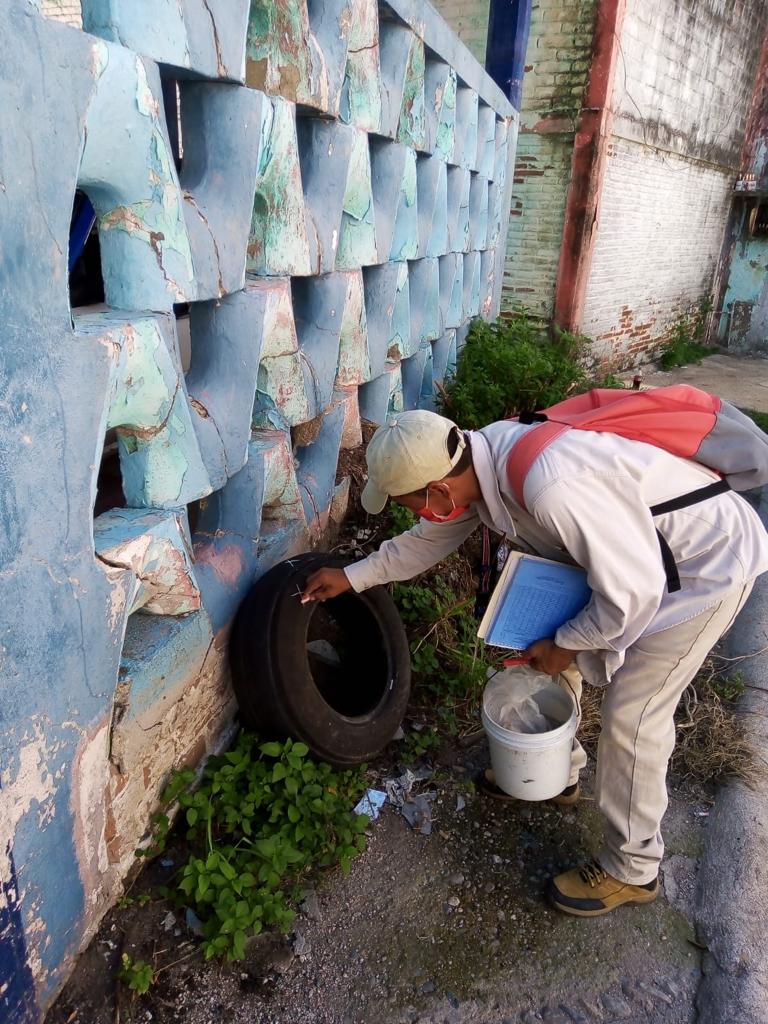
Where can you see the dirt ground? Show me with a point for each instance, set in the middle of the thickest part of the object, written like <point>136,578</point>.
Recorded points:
<point>451,927</point>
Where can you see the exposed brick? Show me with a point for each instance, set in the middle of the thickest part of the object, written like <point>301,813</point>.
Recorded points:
<point>469,21</point>
<point>68,11</point>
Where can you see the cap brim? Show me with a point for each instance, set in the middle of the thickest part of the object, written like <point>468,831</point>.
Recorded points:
<point>372,499</point>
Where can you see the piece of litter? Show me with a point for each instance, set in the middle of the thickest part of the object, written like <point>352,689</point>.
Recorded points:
<point>461,803</point>
<point>168,921</point>
<point>194,923</point>
<point>399,735</point>
<point>167,862</point>
<point>371,803</point>
<point>418,812</point>
<point>325,652</point>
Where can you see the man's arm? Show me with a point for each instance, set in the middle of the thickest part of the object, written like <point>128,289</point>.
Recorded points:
<point>402,558</point>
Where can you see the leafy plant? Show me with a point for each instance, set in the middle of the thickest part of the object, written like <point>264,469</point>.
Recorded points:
<point>684,343</point>
<point>420,743</point>
<point>728,687</point>
<point>400,519</point>
<point>448,664</point>
<point>129,901</point>
<point>512,366</point>
<point>264,814</point>
<point>138,975</point>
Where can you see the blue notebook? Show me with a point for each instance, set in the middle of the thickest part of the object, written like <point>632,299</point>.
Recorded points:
<point>533,598</point>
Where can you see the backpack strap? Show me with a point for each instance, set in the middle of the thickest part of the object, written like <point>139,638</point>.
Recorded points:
<point>525,452</point>
<point>673,505</point>
<point>691,498</point>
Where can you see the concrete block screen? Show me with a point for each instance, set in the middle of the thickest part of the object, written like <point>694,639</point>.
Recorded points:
<point>297,207</point>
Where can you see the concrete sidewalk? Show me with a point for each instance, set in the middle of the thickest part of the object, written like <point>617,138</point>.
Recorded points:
<point>739,380</point>
<point>732,903</point>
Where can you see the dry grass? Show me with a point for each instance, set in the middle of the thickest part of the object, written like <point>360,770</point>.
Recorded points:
<point>710,744</point>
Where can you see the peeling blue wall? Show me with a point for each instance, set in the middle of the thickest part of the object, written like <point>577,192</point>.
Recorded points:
<point>330,255</point>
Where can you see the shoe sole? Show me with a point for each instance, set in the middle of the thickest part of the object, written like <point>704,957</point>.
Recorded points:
<point>635,901</point>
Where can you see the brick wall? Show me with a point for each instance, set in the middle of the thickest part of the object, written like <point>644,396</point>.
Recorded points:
<point>68,11</point>
<point>557,64</point>
<point>469,20</point>
<point>660,230</point>
<point>682,90</point>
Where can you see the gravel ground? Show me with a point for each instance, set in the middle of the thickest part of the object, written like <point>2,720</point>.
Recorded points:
<point>450,928</point>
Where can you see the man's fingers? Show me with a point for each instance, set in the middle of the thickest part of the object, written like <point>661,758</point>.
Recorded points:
<point>314,587</point>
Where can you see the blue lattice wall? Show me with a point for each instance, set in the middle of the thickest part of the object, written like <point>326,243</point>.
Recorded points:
<point>331,218</point>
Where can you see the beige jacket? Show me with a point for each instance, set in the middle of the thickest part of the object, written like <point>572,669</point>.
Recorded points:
<point>588,497</point>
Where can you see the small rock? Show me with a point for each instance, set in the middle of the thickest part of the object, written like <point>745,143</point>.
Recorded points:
<point>497,859</point>
<point>616,1006</point>
<point>453,901</point>
<point>266,953</point>
<point>456,879</point>
<point>310,906</point>
<point>428,988</point>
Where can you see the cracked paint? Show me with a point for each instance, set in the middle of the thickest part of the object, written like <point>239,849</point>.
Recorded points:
<point>32,784</point>
<point>116,626</point>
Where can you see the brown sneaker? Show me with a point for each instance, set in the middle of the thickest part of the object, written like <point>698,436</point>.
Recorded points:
<point>487,785</point>
<point>590,891</point>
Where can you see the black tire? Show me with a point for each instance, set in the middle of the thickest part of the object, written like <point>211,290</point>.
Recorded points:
<point>345,701</point>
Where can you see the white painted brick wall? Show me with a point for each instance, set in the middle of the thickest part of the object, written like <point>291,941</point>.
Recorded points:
<point>681,94</point>
<point>659,235</point>
<point>685,74</point>
<point>68,11</point>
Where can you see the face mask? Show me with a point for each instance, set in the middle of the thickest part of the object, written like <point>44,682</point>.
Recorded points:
<point>433,517</point>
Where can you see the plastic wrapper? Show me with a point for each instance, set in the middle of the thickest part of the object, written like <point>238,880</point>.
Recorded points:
<point>510,700</point>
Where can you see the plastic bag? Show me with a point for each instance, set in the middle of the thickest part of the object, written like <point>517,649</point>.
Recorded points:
<point>510,700</point>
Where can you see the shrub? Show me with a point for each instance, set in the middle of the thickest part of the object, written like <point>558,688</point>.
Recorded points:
<point>512,366</point>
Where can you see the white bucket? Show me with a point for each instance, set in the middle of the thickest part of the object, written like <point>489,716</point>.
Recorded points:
<point>531,766</point>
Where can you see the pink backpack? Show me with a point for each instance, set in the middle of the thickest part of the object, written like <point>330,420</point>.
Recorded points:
<point>680,419</point>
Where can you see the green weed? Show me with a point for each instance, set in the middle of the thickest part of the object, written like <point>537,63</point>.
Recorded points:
<point>262,817</point>
<point>760,418</point>
<point>728,687</point>
<point>448,662</point>
<point>400,519</point>
<point>138,975</point>
<point>419,744</point>
<point>684,344</point>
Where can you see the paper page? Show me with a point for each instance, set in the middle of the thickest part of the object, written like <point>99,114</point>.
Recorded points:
<point>510,566</point>
<point>540,598</point>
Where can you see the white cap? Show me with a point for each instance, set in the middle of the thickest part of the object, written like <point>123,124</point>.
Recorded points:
<point>406,454</point>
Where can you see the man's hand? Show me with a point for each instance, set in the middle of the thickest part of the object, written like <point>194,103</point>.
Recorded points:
<point>547,657</point>
<point>326,583</point>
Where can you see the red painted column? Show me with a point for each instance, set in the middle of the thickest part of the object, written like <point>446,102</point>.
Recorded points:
<point>588,168</point>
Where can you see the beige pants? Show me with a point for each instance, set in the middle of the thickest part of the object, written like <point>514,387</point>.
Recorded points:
<point>638,735</point>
